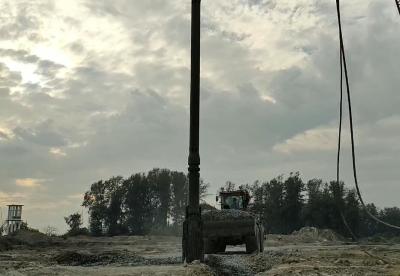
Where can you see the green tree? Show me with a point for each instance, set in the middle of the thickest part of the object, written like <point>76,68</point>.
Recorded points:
<point>74,222</point>
<point>392,216</point>
<point>313,214</point>
<point>114,195</point>
<point>292,203</point>
<point>160,179</point>
<point>337,207</point>
<point>105,203</point>
<point>95,201</point>
<point>141,204</point>
<point>179,194</point>
<point>352,212</point>
<point>203,189</point>
<point>368,226</point>
<point>273,195</point>
<point>256,192</point>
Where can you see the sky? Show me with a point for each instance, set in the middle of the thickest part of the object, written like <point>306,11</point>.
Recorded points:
<point>94,89</point>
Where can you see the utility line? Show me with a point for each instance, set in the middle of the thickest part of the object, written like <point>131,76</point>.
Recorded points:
<point>398,5</point>
<point>343,65</point>
<point>338,203</point>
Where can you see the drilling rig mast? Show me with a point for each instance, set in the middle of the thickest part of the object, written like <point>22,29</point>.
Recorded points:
<point>192,240</point>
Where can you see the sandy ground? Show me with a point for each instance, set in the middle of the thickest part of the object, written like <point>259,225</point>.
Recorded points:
<point>160,255</point>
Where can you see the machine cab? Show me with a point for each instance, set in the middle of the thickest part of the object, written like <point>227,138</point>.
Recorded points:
<point>237,200</point>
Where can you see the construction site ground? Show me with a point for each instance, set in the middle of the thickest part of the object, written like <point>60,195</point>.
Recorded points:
<point>307,252</point>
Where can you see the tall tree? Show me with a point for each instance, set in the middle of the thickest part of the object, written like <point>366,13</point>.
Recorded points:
<point>257,194</point>
<point>273,194</point>
<point>104,200</point>
<point>179,194</point>
<point>292,202</point>
<point>74,222</point>
<point>352,212</point>
<point>161,180</point>
<point>369,226</point>
<point>141,203</point>
<point>313,215</point>
<point>392,216</point>
<point>114,196</point>
<point>203,188</point>
<point>95,201</point>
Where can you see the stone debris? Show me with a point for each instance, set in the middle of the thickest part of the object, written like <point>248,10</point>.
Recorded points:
<point>229,265</point>
<point>225,214</point>
<point>344,262</point>
<point>313,234</point>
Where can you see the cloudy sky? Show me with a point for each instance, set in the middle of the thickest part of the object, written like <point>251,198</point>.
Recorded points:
<point>91,89</point>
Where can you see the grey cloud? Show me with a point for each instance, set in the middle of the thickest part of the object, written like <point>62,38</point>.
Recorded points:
<point>17,25</point>
<point>48,68</point>
<point>44,134</point>
<point>3,136</point>
<point>77,47</point>
<point>8,78</point>
<point>112,123</point>
<point>20,55</point>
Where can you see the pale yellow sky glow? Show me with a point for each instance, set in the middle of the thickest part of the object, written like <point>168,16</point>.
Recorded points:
<point>29,182</point>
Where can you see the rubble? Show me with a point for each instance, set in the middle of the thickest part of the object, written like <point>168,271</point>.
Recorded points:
<point>76,258</point>
<point>225,214</point>
<point>313,234</point>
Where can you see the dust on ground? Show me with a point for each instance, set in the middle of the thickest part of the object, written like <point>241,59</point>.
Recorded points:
<point>309,251</point>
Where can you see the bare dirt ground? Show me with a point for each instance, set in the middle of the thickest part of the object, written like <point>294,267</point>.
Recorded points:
<point>308,252</point>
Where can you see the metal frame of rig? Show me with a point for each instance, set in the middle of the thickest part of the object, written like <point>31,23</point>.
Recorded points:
<point>192,240</point>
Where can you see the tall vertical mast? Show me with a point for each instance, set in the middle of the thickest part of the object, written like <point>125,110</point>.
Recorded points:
<point>192,240</point>
<point>194,156</point>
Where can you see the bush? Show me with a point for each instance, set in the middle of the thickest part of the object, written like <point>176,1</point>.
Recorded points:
<point>77,232</point>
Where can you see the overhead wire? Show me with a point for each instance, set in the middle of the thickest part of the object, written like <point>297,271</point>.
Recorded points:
<point>343,66</point>
<point>340,208</point>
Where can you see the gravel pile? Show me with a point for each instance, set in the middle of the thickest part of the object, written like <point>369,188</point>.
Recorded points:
<point>225,214</point>
<point>267,259</point>
<point>232,265</point>
<point>313,234</point>
<point>248,265</point>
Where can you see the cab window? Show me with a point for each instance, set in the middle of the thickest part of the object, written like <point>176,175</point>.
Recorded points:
<point>233,202</point>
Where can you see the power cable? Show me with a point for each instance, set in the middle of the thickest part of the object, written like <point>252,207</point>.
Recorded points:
<point>398,5</point>
<point>343,65</point>
<point>354,237</point>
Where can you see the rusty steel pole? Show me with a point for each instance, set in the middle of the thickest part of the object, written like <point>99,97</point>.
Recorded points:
<point>192,232</point>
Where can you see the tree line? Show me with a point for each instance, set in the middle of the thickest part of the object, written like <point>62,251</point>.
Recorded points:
<point>155,202</point>
<point>287,204</point>
<point>143,202</point>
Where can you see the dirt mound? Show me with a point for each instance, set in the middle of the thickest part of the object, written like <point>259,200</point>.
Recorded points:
<point>32,238</point>
<point>26,237</point>
<point>225,214</point>
<point>5,244</point>
<point>75,258</point>
<point>313,234</point>
<point>231,265</point>
<point>247,265</point>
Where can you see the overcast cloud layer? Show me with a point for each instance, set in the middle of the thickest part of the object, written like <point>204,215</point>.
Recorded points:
<point>92,89</point>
